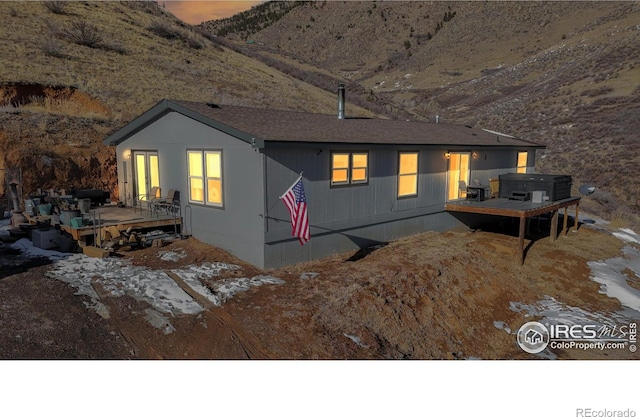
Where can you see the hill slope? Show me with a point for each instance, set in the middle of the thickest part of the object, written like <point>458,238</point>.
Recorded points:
<point>74,71</point>
<point>565,74</point>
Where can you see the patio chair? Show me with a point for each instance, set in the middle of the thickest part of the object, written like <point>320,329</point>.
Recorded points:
<point>146,199</point>
<point>169,204</point>
<point>468,193</point>
<point>486,188</point>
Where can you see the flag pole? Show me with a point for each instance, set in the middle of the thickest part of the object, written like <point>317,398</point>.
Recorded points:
<point>292,185</point>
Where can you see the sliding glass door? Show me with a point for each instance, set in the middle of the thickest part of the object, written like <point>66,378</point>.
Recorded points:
<point>458,171</point>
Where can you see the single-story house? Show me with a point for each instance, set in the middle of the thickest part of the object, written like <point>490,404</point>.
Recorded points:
<point>366,180</point>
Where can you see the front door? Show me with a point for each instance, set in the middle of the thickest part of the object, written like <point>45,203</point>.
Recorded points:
<point>458,171</point>
<point>146,173</point>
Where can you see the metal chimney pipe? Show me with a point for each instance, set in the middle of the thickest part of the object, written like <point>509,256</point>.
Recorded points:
<point>341,92</point>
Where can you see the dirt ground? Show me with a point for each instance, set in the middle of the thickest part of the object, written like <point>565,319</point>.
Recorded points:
<point>429,296</point>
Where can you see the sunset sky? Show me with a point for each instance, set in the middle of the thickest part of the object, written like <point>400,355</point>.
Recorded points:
<point>199,11</point>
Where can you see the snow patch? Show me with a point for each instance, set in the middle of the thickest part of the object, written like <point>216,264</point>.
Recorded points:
<point>356,340</point>
<point>191,278</point>
<point>120,278</point>
<point>157,320</point>
<point>26,247</point>
<point>171,256</point>
<point>227,288</point>
<point>611,275</point>
<point>553,311</point>
<point>501,325</point>
<point>627,235</point>
<point>309,275</point>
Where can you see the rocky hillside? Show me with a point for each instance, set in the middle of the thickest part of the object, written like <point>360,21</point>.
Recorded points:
<point>72,72</point>
<point>565,74</point>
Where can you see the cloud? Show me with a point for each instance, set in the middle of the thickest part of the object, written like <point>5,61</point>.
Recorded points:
<point>195,12</point>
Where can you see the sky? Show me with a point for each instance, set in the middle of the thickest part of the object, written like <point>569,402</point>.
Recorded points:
<point>196,12</point>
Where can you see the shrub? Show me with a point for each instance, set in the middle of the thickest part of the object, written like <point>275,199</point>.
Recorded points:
<point>217,42</point>
<point>115,47</point>
<point>169,31</point>
<point>194,42</point>
<point>146,6</point>
<point>51,47</point>
<point>57,7</point>
<point>164,29</point>
<point>83,33</point>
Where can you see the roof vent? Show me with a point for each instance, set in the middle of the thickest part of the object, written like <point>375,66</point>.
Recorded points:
<point>341,92</point>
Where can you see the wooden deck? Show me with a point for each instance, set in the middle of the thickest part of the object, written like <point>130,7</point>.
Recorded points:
<point>121,218</point>
<point>520,209</point>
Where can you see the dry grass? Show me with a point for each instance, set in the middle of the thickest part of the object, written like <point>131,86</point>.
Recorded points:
<point>152,68</point>
<point>625,218</point>
<point>428,296</point>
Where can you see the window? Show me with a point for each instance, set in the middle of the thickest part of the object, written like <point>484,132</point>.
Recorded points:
<point>349,168</point>
<point>522,163</point>
<point>205,177</point>
<point>408,174</point>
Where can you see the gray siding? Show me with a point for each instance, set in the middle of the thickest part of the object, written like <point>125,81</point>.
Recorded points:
<point>329,205</point>
<point>238,227</point>
<point>344,218</point>
<point>491,163</point>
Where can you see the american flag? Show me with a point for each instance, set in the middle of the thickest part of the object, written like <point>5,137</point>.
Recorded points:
<point>296,202</point>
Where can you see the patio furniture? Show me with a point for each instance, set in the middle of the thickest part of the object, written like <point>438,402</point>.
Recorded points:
<point>147,199</point>
<point>169,204</point>
<point>469,192</point>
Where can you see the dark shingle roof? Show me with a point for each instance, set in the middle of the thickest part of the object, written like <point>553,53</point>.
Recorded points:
<point>267,125</point>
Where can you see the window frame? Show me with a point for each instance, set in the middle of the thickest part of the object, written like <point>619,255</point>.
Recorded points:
<point>349,169</point>
<point>416,174</point>
<point>205,177</point>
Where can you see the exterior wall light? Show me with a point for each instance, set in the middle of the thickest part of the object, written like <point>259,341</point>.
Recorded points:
<point>447,155</point>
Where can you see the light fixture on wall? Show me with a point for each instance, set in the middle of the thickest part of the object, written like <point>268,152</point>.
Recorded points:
<point>475,155</point>
<point>126,154</point>
<point>447,155</point>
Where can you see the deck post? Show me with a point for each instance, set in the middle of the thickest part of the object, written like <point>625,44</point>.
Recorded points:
<point>554,226</point>
<point>564,222</point>
<point>575,221</point>
<point>523,222</point>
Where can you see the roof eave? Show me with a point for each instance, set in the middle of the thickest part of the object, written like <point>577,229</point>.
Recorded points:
<point>239,134</point>
<point>162,108</point>
<point>137,124</point>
